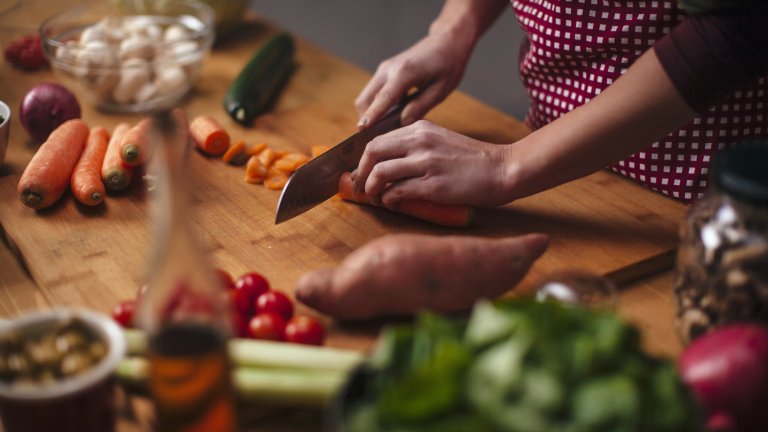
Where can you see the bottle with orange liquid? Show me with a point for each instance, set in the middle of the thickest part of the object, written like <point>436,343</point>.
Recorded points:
<point>183,310</point>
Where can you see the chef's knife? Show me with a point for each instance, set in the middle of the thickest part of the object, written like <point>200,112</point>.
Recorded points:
<point>318,179</point>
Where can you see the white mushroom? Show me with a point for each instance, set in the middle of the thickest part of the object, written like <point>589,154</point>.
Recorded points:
<point>94,33</point>
<point>136,47</point>
<point>175,33</point>
<point>170,80</point>
<point>94,55</point>
<point>134,75</point>
<point>146,93</point>
<point>181,50</point>
<point>115,29</point>
<point>154,33</point>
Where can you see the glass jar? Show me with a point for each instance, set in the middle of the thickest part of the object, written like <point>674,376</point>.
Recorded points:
<point>183,312</point>
<point>722,264</point>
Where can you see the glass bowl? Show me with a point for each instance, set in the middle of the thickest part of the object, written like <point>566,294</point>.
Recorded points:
<point>130,57</point>
<point>579,288</point>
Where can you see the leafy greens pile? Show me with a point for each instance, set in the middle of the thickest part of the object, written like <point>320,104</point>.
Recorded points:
<point>518,365</point>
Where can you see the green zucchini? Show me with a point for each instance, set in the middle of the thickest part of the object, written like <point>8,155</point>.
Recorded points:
<point>254,89</point>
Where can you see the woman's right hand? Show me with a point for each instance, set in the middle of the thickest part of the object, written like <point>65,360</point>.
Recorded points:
<point>434,65</point>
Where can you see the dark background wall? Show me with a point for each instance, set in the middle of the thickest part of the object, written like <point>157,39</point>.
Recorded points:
<point>365,32</point>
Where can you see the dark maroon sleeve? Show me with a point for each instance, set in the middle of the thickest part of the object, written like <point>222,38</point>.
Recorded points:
<point>711,55</point>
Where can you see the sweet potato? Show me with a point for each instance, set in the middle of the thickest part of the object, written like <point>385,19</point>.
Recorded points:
<point>400,274</point>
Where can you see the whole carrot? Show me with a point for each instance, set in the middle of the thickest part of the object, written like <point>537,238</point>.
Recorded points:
<point>47,175</point>
<point>86,183</point>
<point>441,214</point>
<point>115,174</point>
<point>135,147</point>
<point>208,135</point>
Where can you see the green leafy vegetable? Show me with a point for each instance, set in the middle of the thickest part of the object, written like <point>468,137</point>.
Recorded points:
<point>520,365</point>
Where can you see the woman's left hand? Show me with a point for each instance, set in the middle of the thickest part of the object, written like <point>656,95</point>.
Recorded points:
<point>426,161</point>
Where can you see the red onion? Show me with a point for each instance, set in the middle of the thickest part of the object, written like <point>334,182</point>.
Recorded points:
<point>727,369</point>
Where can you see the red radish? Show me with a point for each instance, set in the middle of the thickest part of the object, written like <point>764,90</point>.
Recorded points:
<point>727,369</point>
<point>45,107</point>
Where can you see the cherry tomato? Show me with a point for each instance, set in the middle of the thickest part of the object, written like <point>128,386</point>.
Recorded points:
<point>239,326</point>
<point>269,326</point>
<point>274,301</point>
<point>123,313</point>
<point>305,330</point>
<point>247,288</point>
<point>227,282</point>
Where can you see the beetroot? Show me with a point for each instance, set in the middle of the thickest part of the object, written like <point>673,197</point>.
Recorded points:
<point>45,107</point>
<point>727,369</point>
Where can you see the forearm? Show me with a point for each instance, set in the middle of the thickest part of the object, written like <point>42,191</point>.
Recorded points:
<point>637,109</point>
<point>470,18</point>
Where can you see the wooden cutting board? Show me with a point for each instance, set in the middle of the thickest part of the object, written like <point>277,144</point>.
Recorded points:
<point>95,257</point>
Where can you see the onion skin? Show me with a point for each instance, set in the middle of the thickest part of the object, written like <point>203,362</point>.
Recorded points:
<point>727,369</point>
<point>45,107</point>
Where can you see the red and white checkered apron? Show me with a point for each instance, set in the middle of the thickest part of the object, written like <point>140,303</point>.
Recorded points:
<point>576,48</point>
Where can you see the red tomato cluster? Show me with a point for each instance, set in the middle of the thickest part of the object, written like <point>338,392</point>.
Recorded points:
<point>258,312</point>
<point>263,313</point>
<point>26,53</point>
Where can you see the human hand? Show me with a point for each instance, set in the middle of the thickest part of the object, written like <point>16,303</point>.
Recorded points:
<point>426,161</point>
<point>435,65</point>
<point>402,274</point>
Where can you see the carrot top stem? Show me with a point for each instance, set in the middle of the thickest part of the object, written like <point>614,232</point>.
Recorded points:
<point>130,153</point>
<point>31,199</point>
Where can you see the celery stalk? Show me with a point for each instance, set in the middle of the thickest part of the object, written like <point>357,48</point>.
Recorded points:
<point>268,354</point>
<point>302,387</point>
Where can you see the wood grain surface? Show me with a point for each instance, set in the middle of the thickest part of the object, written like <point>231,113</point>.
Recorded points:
<point>95,257</point>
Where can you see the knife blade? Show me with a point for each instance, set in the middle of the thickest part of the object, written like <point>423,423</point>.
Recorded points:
<point>318,179</point>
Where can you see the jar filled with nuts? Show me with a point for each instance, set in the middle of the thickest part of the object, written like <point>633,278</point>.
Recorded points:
<point>722,265</point>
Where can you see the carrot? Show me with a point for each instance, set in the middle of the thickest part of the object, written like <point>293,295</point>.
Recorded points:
<point>276,182</point>
<point>441,214</point>
<point>115,173</point>
<point>86,183</point>
<point>208,135</point>
<point>319,149</point>
<point>135,147</point>
<point>285,165</point>
<point>236,154</point>
<point>47,175</point>
<point>255,171</point>
<point>256,148</point>
<point>267,157</point>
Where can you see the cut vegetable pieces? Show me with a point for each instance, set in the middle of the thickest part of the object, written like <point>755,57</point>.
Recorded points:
<point>276,182</point>
<point>236,154</point>
<point>209,136</point>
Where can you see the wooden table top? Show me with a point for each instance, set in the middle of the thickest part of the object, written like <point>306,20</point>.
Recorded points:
<point>72,255</point>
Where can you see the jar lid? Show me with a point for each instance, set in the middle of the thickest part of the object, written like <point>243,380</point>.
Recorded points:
<point>742,171</point>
